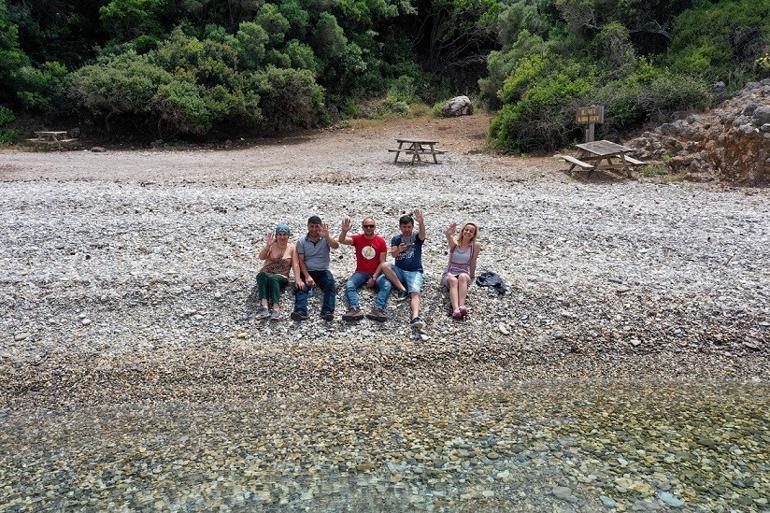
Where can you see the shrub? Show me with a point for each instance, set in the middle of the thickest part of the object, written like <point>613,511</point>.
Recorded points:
<point>289,98</point>
<point>393,106</point>
<point>6,116</point>
<point>42,88</point>
<point>500,65</point>
<point>543,119</point>
<point>403,89</point>
<point>123,84</point>
<point>668,93</point>
<point>7,135</point>
<point>711,38</point>
<point>181,108</point>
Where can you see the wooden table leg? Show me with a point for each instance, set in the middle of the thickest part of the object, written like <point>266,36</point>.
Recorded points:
<point>395,160</point>
<point>433,152</point>
<point>415,152</point>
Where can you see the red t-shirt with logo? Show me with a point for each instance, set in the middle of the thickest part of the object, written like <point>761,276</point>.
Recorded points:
<point>368,252</point>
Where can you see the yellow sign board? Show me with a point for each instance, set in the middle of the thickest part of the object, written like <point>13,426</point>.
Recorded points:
<point>592,114</point>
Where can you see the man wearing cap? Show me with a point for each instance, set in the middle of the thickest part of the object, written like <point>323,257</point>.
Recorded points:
<point>313,255</point>
<point>371,251</point>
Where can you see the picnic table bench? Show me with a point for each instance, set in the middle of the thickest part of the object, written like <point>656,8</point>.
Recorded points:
<point>593,153</point>
<point>57,137</point>
<point>416,148</point>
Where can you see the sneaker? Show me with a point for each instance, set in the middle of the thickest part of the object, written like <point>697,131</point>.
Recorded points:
<point>263,313</point>
<point>377,314</point>
<point>298,316</point>
<point>353,314</point>
<point>417,324</point>
<point>401,295</point>
<point>328,316</point>
<point>276,315</point>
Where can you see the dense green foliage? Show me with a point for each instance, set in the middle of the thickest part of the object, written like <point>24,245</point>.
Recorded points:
<point>193,67</point>
<point>642,60</point>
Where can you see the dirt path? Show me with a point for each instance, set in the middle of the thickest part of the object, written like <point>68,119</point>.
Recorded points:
<point>325,154</point>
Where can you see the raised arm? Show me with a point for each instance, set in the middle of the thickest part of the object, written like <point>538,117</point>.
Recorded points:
<point>450,236</point>
<point>325,234</point>
<point>421,221</point>
<point>265,253</point>
<point>343,236</point>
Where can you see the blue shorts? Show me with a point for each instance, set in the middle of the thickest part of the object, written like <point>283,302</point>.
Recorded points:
<point>412,280</point>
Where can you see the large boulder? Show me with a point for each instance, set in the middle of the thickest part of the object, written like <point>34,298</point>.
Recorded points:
<point>458,106</point>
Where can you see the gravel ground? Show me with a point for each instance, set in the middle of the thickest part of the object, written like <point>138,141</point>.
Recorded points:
<point>108,273</point>
<point>127,277</point>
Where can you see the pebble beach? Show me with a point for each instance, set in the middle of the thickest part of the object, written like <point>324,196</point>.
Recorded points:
<point>626,369</point>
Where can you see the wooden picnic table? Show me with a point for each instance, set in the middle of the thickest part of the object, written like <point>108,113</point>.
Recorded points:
<point>51,135</point>
<point>593,153</point>
<point>56,137</point>
<point>416,148</point>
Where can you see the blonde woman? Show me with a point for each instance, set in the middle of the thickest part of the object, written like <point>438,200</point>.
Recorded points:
<point>280,257</point>
<point>461,270</point>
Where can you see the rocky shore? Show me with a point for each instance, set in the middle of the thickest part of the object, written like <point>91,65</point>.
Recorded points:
<point>114,284</point>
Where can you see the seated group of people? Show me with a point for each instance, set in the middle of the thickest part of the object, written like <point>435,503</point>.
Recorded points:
<point>309,260</point>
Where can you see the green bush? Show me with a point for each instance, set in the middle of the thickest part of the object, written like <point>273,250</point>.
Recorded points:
<point>669,93</point>
<point>289,99</point>
<point>713,38</point>
<point>181,109</point>
<point>123,84</point>
<point>42,88</point>
<point>6,116</point>
<point>7,135</point>
<point>501,64</point>
<point>403,89</point>
<point>543,119</point>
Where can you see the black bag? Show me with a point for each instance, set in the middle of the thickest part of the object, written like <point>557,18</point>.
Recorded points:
<point>490,279</point>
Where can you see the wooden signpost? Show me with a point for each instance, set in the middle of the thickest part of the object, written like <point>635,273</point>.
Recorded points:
<point>590,116</point>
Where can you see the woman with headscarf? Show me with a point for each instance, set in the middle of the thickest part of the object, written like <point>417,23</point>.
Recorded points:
<point>280,257</point>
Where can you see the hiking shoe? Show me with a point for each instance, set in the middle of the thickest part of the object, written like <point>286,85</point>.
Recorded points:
<point>263,313</point>
<point>328,316</point>
<point>401,295</point>
<point>417,324</point>
<point>353,314</point>
<point>377,314</point>
<point>276,315</point>
<point>298,316</point>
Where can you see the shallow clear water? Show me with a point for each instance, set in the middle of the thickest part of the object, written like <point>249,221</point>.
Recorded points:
<point>581,448</point>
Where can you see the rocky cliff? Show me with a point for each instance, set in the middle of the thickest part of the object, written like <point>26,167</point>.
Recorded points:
<point>729,143</point>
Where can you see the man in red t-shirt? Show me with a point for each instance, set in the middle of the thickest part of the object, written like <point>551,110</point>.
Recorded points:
<point>371,251</point>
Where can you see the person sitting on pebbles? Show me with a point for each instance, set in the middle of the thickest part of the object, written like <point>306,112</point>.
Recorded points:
<point>313,258</point>
<point>371,251</point>
<point>406,249</point>
<point>461,270</point>
<point>280,257</point>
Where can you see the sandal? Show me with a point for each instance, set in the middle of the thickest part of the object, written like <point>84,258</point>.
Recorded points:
<point>463,311</point>
<point>457,314</point>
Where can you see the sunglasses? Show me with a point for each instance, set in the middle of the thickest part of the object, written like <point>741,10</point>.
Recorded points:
<point>368,225</point>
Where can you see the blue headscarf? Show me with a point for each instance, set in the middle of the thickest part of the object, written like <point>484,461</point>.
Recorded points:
<point>282,228</point>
